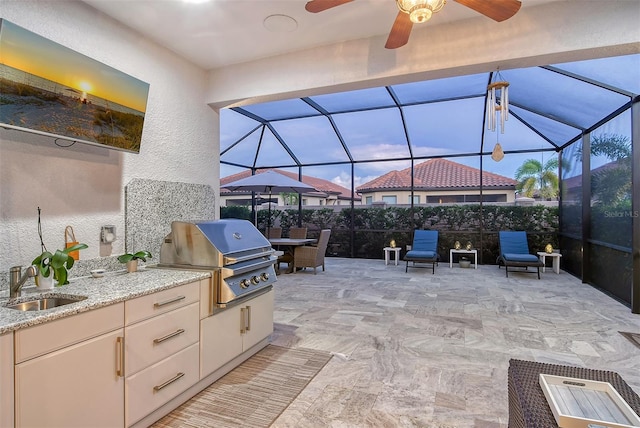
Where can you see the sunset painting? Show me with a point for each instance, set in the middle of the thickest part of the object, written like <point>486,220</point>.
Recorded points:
<point>52,90</point>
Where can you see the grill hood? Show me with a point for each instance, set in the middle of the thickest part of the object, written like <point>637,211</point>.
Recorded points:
<point>213,244</point>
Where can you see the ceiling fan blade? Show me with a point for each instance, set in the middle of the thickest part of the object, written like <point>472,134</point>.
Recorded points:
<point>498,10</point>
<point>400,32</point>
<point>315,6</point>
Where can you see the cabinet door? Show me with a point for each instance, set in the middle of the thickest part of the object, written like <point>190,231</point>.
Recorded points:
<point>220,340</point>
<point>72,387</point>
<point>6,379</point>
<point>260,319</point>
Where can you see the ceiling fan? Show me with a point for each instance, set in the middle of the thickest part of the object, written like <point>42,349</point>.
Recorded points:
<point>418,11</point>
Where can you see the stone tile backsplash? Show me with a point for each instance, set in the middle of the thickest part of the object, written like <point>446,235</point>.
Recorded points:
<point>151,206</point>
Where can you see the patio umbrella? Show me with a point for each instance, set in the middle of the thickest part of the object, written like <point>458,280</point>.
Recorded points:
<point>268,182</point>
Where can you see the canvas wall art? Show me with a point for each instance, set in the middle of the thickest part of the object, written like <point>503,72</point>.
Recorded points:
<point>49,89</point>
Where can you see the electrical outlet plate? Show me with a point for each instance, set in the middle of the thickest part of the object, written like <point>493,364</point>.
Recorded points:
<point>107,234</point>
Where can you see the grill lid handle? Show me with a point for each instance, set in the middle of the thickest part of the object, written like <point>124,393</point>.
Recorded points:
<point>248,268</point>
<point>229,260</point>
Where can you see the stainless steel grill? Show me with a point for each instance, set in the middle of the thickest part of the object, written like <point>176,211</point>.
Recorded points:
<point>240,257</point>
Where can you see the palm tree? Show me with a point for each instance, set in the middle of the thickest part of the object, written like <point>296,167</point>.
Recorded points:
<point>290,198</point>
<point>533,176</point>
<point>611,184</point>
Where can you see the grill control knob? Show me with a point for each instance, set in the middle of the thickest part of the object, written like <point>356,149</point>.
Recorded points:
<point>255,280</point>
<point>245,283</point>
<point>264,276</point>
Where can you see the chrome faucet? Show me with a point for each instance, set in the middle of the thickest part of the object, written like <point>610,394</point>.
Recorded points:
<point>16,281</point>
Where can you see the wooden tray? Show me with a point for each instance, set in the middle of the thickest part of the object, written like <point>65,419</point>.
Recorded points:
<point>581,403</point>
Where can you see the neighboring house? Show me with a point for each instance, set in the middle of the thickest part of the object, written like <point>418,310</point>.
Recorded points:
<point>438,181</point>
<point>328,193</point>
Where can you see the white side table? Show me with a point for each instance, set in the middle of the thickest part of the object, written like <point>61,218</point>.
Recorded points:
<point>387,254</point>
<point>453,251</point>
<point>556,260</point>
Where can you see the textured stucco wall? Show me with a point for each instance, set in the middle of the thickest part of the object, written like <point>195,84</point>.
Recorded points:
<point>82,185</point>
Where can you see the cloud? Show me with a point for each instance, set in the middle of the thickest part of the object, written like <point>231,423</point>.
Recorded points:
<point>344,180</point>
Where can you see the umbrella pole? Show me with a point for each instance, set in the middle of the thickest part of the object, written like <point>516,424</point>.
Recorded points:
<point>254,209</point>
<point>269,216</point>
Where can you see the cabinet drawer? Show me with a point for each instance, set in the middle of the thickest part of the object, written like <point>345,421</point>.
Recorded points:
<point>163,301</point>
<point>41,339</point>
<point>152,340</point>
<point>151,388</point>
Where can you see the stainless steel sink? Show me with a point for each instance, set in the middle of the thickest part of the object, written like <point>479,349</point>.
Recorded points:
<point>44,303</point>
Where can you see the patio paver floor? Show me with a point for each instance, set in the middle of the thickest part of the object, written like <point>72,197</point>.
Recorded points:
<point>421,350</point>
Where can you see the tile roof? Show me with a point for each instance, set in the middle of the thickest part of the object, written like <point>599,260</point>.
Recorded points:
<point>323,186</point>
<point>436,174</point>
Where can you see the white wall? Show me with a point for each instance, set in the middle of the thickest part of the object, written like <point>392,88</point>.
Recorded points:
<point>553,32</point>
<point>83,186</point>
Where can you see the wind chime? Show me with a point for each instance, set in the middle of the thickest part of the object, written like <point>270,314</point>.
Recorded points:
<point>497,110</point>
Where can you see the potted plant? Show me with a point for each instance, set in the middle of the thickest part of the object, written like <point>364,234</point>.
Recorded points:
<point>55,266</point>
<point>464,262</point>
<point>131,259</point>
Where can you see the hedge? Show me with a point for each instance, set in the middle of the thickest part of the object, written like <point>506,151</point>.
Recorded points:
<point>375,227</point>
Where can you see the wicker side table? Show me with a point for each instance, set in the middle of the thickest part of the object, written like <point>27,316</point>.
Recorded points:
<point>528,407</point>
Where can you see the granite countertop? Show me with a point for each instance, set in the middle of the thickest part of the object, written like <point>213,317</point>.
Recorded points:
<point>113,287</point>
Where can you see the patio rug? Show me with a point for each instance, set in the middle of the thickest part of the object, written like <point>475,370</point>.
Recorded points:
<point>253,394</point>
<point>633,337</point>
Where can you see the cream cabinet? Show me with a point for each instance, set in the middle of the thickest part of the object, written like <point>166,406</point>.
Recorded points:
<point>149,389</point>
<point>6,380</point>
<point>68,372</point>
<point>122,364</point>
<point>259,319</point>
<point>162,336</point>
<point>229,333</point>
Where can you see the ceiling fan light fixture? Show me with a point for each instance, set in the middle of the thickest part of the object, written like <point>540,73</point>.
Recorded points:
<point>420,10</point>
<point>420,14</point>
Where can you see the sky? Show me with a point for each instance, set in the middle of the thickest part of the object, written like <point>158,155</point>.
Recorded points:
<point>34,54</point>
<point>443,117</point>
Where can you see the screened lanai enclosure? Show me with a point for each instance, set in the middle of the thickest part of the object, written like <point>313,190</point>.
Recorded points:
<point>583,115</point>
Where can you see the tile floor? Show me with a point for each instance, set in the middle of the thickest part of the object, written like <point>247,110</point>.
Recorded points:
<point>421,350</point>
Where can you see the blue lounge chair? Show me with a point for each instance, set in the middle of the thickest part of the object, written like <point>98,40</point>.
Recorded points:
<point>514,252</point>
<point>424,249</point>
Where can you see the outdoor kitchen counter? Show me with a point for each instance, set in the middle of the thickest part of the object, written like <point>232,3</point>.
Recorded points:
<point>112,288</point>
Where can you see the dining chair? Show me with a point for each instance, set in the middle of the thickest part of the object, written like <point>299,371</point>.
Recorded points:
<point>308,256</point>
<point>298,233</point>
<point>275,233</point>
<point>294,233</point>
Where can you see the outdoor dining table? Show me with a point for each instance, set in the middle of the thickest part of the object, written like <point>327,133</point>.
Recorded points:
<point>288,245</point>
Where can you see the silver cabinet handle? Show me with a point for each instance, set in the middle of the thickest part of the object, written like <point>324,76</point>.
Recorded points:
<point>212,291</point>
<point>169,336</point>
<point>120,356</point>
<point>167,302</point>
<point>169,382</point>
<point>248,318</point>
<point>245,319</point>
